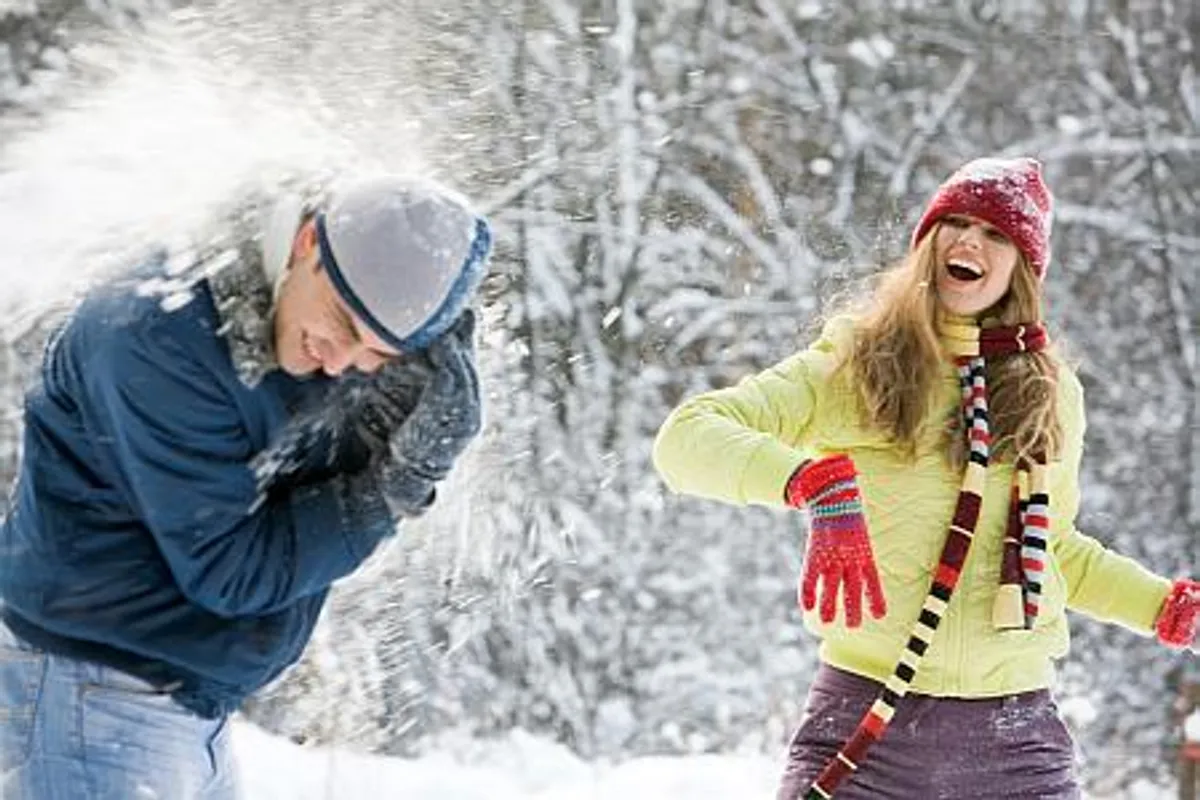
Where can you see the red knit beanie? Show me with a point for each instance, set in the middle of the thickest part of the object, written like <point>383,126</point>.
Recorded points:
<point>1008,193</point>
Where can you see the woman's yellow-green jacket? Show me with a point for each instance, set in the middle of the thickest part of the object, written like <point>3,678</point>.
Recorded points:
<point>741,444</point>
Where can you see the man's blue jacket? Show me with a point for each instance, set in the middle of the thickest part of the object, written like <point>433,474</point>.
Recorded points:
<point>140,533</point>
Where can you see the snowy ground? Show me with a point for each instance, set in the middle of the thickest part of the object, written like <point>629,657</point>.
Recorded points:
<point>518,767</point>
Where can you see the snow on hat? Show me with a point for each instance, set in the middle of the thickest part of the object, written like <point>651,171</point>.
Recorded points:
<point>405,256</point>
<point>1008,193</point>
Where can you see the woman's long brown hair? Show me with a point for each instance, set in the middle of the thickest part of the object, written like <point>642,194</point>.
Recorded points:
<point>897,360</point>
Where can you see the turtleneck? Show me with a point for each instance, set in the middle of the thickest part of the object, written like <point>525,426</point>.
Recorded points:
<point>959,335</point>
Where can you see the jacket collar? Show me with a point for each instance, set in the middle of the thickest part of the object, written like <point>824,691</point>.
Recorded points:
<point>245,289</point>
<point>245,315</point>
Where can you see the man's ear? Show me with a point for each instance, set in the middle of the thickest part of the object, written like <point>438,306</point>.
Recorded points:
<point>305,242</point>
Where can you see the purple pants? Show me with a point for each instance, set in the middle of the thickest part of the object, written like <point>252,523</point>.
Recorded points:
<point>1010,748</point>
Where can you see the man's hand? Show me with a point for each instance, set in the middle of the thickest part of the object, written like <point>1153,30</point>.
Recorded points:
<point>447,417</point>
<point>387,398</point>
<point>839,550</point>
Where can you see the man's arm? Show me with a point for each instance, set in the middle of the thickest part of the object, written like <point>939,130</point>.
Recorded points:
<point>351,429</point>
<point>232,549</point>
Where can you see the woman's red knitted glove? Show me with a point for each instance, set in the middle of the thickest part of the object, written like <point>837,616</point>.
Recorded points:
<point>1176,625</point>
<point>839,550</point>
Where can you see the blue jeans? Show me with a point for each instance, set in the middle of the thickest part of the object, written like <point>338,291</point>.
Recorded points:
<point>73,730</point>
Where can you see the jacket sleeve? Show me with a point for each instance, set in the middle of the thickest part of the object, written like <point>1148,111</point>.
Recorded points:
<point>741,444</point>
<point>179,449</point>
<point>1100,583</point>
<point>1110,587</point>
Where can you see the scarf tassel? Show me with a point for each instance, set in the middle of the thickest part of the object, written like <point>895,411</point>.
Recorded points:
<point>1023,560</point>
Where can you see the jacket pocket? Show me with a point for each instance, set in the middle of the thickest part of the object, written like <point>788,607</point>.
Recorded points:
<point>135,731</point>
<point>22,673</point>
<point>108,681</point>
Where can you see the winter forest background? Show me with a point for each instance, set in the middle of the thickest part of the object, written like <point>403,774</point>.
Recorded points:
<point>678,187</point>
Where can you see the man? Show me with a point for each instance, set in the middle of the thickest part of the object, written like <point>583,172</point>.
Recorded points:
<point>203,457</point>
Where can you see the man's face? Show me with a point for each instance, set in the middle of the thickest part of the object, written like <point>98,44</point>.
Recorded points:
<point>314,329</point>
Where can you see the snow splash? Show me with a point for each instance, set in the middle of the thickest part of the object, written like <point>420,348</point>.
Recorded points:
<point>154,132</point>
<point>153,135</point>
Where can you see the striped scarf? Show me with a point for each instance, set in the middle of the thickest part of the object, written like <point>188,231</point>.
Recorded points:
<point>1023,560</point>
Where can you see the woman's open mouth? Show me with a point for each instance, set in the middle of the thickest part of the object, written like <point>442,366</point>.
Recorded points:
<point>964,271</point>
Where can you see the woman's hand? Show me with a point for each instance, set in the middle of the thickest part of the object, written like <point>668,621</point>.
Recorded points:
<point>839,549</point>
<point>1176,625</point>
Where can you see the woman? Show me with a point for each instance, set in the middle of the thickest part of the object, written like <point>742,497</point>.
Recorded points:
<point>933,436</point>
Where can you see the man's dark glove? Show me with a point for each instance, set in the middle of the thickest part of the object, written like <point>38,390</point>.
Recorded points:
<point>447,417</point>
<point>382,401</point>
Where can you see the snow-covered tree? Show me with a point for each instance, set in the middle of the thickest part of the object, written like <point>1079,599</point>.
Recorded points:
<point>679,186</point>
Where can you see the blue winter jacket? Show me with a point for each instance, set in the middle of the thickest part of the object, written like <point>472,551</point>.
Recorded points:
<point>139,534</point>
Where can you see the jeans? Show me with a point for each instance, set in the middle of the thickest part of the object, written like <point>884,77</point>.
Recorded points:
<point>73,730</point>
<point>1006,748</point>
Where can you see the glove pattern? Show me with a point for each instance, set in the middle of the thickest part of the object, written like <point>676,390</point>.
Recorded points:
<point>839,555</point>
